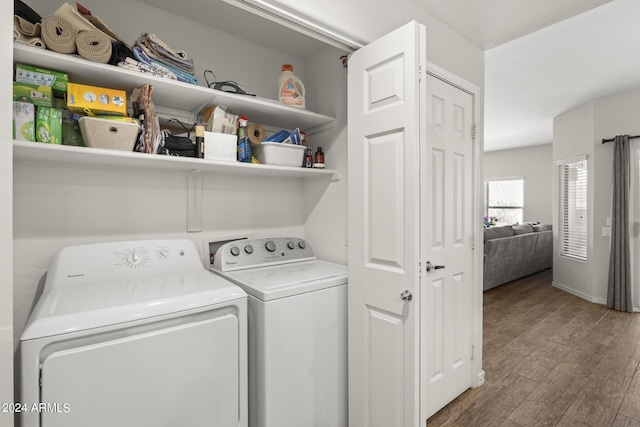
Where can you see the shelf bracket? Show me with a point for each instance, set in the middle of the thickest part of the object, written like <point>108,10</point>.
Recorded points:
<point>194,201</point>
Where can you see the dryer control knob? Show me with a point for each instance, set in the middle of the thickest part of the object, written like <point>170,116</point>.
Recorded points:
<point>270,246</point>
<point>302,244</point>
<point>134,258</point>
<point>235,251</point>
<point>291,245</point>
<point>248,249</point>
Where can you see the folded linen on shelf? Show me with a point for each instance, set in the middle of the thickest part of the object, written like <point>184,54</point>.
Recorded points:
<point>133,65</point>
<point>142,57</point>
<point>181,75</point>
<point>161,52</point>
<point>27,33</point>
<point>152,51</point>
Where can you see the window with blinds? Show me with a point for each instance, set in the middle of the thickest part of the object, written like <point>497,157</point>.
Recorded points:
<point>573,208</point>
<point>505,200</point>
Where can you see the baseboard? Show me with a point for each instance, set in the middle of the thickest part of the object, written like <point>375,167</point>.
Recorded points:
<point>579,294</point>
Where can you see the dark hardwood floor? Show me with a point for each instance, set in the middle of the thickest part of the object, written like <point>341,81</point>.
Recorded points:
<point>551,359</point>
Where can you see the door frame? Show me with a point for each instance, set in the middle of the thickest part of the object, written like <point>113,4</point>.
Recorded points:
<point>477,374</point>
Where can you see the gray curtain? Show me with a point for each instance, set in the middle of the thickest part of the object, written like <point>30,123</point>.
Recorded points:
<point>619,291</point>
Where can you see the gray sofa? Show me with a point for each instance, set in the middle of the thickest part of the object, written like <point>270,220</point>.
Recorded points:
<point>511,252</point>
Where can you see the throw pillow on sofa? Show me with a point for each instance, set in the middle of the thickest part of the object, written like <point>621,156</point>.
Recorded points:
<point>542,227</point>
<point>522,229</point>
<point>498,232</point>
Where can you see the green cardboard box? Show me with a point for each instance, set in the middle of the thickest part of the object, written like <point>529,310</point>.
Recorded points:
<point>24,121</point>
<point>49,125</point>
<point>27,92</point>
<point>42,77</point>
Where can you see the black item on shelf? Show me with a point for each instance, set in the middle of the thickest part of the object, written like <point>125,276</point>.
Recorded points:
<point>119,51</point>
<point>225,86</point>
<point>22,10</point>
<point>172,145</point>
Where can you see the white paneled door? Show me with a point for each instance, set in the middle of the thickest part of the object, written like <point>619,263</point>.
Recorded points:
<point>447,239</point>
<point>384,138</point>
<point>411,173</point>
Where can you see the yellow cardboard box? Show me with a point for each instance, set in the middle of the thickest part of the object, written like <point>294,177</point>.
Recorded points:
<point>96,100</point>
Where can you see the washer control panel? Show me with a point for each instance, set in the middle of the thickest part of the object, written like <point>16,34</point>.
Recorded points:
<point>261,252</point>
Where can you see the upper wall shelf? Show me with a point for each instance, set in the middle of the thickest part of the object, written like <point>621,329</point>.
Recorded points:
<point>176,96</point>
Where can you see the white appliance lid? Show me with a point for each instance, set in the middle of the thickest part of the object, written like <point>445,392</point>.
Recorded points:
<point>67,309</point>
<point>284,280</point>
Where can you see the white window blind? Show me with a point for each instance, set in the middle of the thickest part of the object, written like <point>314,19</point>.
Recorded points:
<point>573,208</point>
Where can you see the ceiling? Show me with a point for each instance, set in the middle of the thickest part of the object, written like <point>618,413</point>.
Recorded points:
<point>545,57</point>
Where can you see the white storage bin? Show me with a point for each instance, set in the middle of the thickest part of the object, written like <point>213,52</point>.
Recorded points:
<point>110,134</point>
<point>220,146</point>
<point>279,154</point>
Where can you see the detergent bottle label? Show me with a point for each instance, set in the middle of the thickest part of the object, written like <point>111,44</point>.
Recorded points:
<point>290,95</point>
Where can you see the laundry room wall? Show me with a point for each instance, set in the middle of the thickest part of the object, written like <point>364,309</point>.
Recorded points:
<point>326,208</point>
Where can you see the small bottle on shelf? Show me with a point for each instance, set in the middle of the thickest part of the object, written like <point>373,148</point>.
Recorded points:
<point>199,141</point>
<point>319,160</point>
<point>308,158</point>
<point>244,145</point>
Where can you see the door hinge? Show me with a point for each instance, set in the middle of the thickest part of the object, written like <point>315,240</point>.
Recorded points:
<point>473,352</point>
<point>473,242</point>
<point>419,73</point>
<point>473,131</point>
<point>419,269</point>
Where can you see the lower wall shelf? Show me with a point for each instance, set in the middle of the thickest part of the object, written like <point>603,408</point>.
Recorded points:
<point>68,155</point>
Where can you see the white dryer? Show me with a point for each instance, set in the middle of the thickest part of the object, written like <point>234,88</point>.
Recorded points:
<point>297,331</point>
<point>134,334</point>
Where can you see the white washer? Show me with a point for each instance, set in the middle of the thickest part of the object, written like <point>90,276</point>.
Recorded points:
<point>135,334</point>
<point>297,331</point>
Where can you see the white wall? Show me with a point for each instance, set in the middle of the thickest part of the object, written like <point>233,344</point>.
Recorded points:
<point>6,212</point>
<point>573,136</point>
<point>326,224</point>
<point>580,131</point>
<point>535,166</point>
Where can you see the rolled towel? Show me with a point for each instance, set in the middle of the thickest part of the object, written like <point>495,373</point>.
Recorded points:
<point>58,34</point>
<point>94,46</point>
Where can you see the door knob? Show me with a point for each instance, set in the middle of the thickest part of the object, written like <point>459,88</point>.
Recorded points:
<point>406,295</point>
<point>433,267</point>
